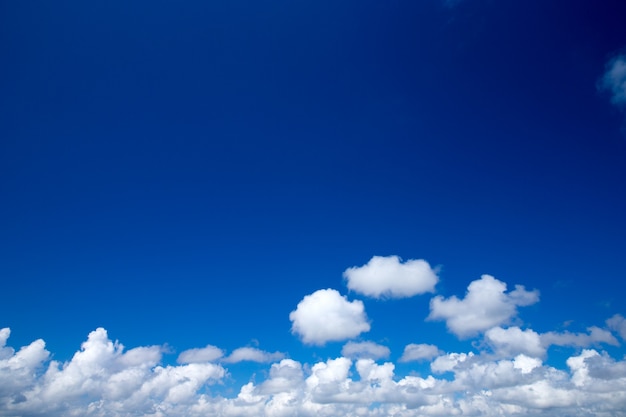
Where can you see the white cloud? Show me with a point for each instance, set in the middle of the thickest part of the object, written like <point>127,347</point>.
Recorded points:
<point>18,370</point>
<point>595,336</point>
<point>371,350</point>
<point>614,80</point>
<point>327,316</point>
<point>418,352</point>
<point>389,277</point>
<point>513,341</point>
<point>617,323</point>
<point>525,363</point>
<point>100,379</point>
<point>485,305</point>
<point>105,380</point>
<point>253,355</point>
<point>285,376</point>
<point>449,361</point>
<point>209,353</point>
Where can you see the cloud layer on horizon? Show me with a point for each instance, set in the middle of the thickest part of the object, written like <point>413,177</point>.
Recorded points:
<point>506,373</point>
<point>102,379</point>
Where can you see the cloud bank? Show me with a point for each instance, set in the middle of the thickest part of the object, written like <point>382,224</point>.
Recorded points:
<point>103,379</point>
<point>507,372</point>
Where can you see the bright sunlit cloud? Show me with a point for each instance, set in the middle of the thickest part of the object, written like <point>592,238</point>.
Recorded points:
<point>326,316</point>
<point>505,373</point>
<point>485,305</point>
<point>390,277</point>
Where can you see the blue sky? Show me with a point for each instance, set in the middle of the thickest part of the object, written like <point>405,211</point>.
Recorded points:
<point>306,195</point>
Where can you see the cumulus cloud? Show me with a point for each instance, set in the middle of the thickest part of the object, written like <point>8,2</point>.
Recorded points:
<point>514,341</point>
<point>101,379</point>
<point>617,323</point>
<point>486,305</point>
<point>327,316</point>
<point>595,336</point>
<point>418,352</point>
<point>104,380</point>
<point>614,80</point>
<point>371,350</point>
<point>198,355</point>
<point>449,362</point>
<point>253,355</point>
<point>389,277</point>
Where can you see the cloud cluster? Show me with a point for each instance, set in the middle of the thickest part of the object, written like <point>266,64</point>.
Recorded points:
<point>389,277</point>
<point>485,305</point>
<point>509,372</point>
<point>105,380</point>
<point>101,379</point>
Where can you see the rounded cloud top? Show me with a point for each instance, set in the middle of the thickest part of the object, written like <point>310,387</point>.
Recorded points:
<point>326,316</point>
<point>387,276</point>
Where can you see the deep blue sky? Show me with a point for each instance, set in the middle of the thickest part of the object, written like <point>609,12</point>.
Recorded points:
<point>186,173</point>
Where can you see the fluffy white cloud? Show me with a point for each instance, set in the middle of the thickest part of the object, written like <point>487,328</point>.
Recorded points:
<point>389,277</point>
<point>513,341</point>
<point>486,305</point>
<point>449,361</point>
<point>104,380</point>
<point>327,316</point>
<point>371,350</point>
<point>208,353</point>
<point>18,370</point>
<point>614,80</point>
<point>101,379</point>
<point>253,355</point>
<point>595,336</point>
<point>418,352</point>
<point>617,323</point>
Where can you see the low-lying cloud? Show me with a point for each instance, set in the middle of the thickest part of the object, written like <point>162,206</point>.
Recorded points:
<point>507,371</point>
<point>104,379</point>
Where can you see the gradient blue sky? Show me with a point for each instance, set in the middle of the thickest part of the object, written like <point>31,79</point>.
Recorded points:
<point>185,174</point>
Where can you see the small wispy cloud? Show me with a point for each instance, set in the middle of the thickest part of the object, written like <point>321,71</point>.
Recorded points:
<point>251,354</point>
<point>594,336</point>
<point>614,80</point>
<point>206,354</point>
<point>369,350</point>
